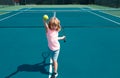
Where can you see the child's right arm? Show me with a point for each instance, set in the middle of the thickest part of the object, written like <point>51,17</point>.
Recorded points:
<point>45,25</point>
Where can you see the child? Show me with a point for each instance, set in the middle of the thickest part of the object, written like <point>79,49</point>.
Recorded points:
<point>52,30</point>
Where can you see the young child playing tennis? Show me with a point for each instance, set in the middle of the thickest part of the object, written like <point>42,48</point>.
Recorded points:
<point>52,31</point>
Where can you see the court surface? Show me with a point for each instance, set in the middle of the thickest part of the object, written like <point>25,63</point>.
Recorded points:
<point>92,48</point>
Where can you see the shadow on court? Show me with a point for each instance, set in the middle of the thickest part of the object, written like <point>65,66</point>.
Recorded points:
<point>39,67</point>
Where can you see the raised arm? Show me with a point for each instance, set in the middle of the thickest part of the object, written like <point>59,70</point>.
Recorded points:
<point>45,25</point>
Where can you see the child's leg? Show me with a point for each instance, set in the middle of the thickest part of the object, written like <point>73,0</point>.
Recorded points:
<point>55,64</point>
<point>55,55</point>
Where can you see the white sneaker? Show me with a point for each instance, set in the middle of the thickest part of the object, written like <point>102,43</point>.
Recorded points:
<point>54,75</point>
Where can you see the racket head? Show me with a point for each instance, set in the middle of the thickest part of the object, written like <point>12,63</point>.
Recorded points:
<point>54,15</point>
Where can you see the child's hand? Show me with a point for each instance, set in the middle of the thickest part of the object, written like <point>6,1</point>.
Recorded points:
<point>44,20</point>
<point>63,37</point>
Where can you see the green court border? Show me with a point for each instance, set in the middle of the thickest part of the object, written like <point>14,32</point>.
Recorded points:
<point>54,6</point>
<point>98,7</point>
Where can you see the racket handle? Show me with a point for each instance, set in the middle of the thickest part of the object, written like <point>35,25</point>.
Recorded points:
<point>64,40</point>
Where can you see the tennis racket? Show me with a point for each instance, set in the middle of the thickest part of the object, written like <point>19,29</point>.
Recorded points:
<point>54,15</point>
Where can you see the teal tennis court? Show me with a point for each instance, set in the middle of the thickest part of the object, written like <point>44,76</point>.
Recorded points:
<point>91,50</point>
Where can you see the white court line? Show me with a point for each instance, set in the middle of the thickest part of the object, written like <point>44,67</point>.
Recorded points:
<point>10,16</point>
<point>104,17</point>
<point>110,14</point>
<point>3,13</point>
<point>13,15</point>
<point>50,68</point>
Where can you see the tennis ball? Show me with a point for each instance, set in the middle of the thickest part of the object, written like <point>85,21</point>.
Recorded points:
<point>45,17</point>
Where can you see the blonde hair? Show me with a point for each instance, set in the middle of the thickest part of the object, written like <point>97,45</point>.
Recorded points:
<point>54,21</point>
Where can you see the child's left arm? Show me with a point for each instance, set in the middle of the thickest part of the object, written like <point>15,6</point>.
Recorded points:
<point>61,38</point>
